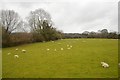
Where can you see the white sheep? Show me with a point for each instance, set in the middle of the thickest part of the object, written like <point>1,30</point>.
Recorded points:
<point>48,49</point>
<point>16,49</point>
<point>61,48</point>
<point>16,56</point>
<point>9,53</point>
<point>71,46</point>
<point>105,65</point>
<point>52,41</point>
<point>68,48</point>
<point>55,50</point>
<point>67,45</point>
<point>23,50</point>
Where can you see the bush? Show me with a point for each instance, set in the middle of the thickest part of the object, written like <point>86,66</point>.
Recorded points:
<point>5,38</point>
<point>48,33</point>
<point>20,38</point>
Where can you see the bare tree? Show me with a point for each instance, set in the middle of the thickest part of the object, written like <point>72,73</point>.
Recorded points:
<point>10,20</point>
<point>37,17</point>
<point>42,26</point>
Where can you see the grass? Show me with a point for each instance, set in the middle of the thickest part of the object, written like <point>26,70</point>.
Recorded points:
<point>0,63</point>
<point>81,61</point>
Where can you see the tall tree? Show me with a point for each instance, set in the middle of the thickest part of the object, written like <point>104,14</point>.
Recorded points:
<point>85,33</point>
<point>37,17</point>
<point>10,20</point>
<point>104,33</point>
<point>42,26</point>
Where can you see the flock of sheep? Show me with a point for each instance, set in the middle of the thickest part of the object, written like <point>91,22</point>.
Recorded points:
<point>103,64</point>
<point>17,56</point>
<point>68,47</point>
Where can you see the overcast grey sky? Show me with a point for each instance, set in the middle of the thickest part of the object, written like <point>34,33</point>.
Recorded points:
<point>71,15</point>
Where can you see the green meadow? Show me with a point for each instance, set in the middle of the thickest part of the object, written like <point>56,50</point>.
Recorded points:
<point>67,58</point>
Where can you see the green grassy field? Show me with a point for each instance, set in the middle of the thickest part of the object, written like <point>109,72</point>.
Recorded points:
<point>81,61</point>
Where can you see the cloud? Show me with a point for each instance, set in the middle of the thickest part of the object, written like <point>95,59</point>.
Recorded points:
<point>72,15</point>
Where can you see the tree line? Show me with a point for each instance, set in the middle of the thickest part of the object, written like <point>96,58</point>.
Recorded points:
<point>38,27</point>
<point>100,34</point>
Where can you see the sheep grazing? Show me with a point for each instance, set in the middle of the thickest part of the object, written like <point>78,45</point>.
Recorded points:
<point>67,45</point>
<point>68,48</point>
<point>52,41</point>
<point>16,56</point>
<point>23,51</point>
<point>61,48</point>
<point>105,65</point>
<point>71,46</point>
<point>48,49</point>
<point>55,50</point>
<point>9,53</point>
<point>16,49</point>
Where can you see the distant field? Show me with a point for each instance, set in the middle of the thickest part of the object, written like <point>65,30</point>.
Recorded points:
<point>82,60</point>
